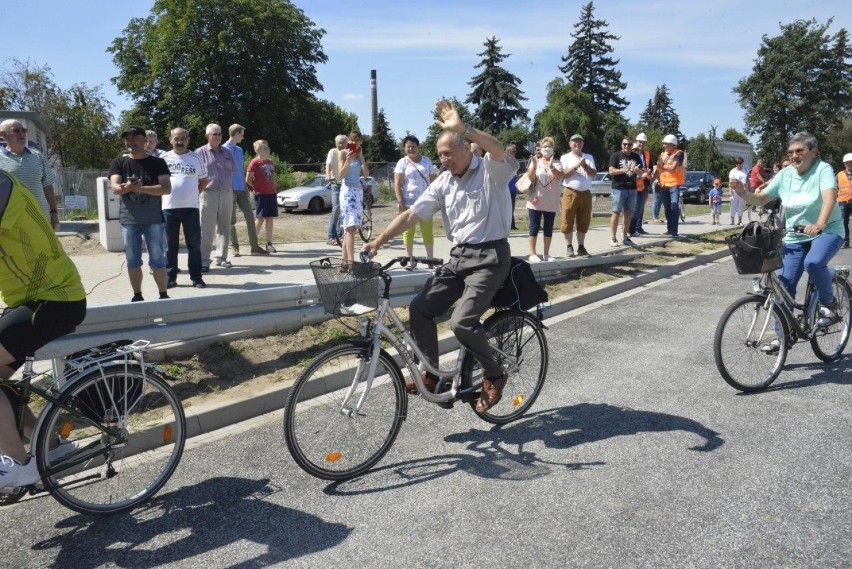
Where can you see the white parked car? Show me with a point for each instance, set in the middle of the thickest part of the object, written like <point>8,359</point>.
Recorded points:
<point>314,194</point>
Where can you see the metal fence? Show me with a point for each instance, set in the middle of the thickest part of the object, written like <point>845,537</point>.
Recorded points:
<point>80,183</point>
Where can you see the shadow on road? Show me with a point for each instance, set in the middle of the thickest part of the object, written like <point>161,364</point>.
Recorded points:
<point>500,452</point>
<point>193,521</point>
<point>838,373</point>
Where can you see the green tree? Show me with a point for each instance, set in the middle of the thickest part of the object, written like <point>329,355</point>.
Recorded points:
<point>569,111</point>
<point>79,118</point>
<point>518,135</point>
<point>252,62</point>
<point>704,154</point>
<point>589,66</point>
<point>660,115</point>
<point>801,81</point>
<point>81,128</point>
<point>733,135</point>
<point>381,146</point>
<point>615,127</point>
<point>496,95</point>
<point>427,145</point>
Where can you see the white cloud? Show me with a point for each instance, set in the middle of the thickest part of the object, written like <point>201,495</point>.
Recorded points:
<point>352,97</point>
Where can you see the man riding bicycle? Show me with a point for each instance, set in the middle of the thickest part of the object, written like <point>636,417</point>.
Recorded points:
<point>472,197</point>
<point>808,192</point>
<point>45,300</point>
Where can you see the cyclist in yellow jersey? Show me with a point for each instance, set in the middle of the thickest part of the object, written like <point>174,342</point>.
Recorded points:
<point>44,299</point>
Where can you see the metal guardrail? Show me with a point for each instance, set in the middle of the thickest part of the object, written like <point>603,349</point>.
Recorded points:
<point>263,311</point>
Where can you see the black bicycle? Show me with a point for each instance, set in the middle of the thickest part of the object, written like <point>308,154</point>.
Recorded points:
<point>109,437</point>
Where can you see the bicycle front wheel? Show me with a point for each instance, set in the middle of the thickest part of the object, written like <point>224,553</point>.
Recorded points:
<point>325,435</point>
<point>339,231</point>
<point>519,345</point>
<point>366,229</point>
<point>743,344</point>
<point>828,342</point>
<point>133,423</point>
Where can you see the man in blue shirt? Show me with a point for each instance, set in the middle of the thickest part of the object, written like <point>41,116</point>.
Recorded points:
<point>236,133</point>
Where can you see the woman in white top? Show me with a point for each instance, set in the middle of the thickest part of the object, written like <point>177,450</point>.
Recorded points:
<point>544,194</point>
<point>411,177</point>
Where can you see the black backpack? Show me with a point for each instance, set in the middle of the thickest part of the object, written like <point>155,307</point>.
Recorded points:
<point>520,289</point>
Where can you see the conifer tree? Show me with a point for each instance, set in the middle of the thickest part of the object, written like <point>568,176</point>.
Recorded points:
<point>496,95</point>
<point>589,65</point>
<point>660,115</point>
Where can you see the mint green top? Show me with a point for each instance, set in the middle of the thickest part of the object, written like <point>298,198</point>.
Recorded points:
<point>802,199</point>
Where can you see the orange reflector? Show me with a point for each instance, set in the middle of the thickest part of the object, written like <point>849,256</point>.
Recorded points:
<point>66,429</point>
<point>333,456</point>
<point>518,400</point>
<point>167,434</point>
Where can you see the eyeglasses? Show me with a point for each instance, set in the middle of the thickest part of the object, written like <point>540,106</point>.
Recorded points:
<point>796,151</point>
<point>626,143</point>
<point>17,130</point>
<point>216,133</point>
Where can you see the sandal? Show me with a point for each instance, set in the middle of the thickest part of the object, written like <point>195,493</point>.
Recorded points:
<point>492,393</point>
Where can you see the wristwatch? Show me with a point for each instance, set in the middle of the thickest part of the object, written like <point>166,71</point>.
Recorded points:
<point>468,129</point>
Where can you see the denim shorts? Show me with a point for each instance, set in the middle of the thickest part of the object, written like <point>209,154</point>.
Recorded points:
<point>132,236</point>
<point>623,200</point>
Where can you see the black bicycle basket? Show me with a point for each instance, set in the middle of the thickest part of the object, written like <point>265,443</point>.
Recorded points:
<point>757,249</point>
<point>347,288</point>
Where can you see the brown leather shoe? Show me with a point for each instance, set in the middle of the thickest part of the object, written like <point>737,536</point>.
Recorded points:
<point>492,392</point>
<point>428,382</point>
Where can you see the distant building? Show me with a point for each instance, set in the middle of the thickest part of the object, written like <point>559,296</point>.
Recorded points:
<point>742,150</point>
<point>37,131</point>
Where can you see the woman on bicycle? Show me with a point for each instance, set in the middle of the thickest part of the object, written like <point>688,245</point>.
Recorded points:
<point>45,300</point>
<point>808,192</point>
<point>352,193</point>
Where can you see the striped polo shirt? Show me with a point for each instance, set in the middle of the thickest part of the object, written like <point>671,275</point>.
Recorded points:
<point>32,169</point>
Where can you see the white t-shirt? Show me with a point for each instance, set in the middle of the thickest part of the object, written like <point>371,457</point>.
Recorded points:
<point>740,175</point>
<point>579,180</point>
<point>415,177</point>
<point>186,170</point>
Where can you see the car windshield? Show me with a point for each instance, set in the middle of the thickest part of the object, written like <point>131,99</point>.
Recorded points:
<point>317,182</point>
<point>600,176</point>
<point>694,177</point>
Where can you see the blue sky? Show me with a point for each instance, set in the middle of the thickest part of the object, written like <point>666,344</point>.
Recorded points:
<point>422,51</point>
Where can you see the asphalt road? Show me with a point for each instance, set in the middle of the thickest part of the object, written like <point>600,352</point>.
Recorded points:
<point>637,454</point>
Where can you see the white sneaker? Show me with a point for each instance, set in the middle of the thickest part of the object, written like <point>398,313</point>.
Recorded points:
<point>534,259</point>
<point>772,347</point>
<point>14,474</point>
<point>613,243</point>
<point>63,448</point>
<point>826,317</point>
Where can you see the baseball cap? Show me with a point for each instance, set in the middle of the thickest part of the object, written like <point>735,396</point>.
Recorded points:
<point>577,137</point>
<point>133,130</point>
<point>641,137</point>
<point>670,139</point>
<point>847,157</point>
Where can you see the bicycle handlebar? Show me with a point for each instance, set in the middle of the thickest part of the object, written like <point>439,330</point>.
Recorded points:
<point>404,261</point>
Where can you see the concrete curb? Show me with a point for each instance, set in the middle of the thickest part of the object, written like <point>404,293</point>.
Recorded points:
<point>206,417</point>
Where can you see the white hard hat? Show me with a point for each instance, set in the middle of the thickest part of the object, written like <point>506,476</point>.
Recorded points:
<point>641,137</point>
<point>847,157</point>
<point>670,139</point>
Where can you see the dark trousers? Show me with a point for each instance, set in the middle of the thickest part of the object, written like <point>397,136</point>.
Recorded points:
<point>639,211</point>
<point>671,206</point>
<point>845,211</point>
<point>187,217</point>
<point>472,276</point>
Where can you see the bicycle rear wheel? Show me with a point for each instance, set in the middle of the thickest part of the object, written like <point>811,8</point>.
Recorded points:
<point>366,229</point>
<point>828,342</point>
<point>323,436</point>
<point>521,348</point>
<point>136,456</point>
<point>744,330</point>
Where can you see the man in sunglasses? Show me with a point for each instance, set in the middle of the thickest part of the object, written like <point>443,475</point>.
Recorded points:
<point>30,167</point>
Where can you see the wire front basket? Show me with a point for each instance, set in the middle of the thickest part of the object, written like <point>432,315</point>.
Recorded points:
<point>347,288</point>
<point>760,253</point>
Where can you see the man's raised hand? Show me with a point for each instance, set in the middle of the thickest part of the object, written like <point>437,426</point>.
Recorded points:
<point>450,119</point>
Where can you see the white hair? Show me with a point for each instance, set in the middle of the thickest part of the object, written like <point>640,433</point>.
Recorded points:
<point>212,126</point>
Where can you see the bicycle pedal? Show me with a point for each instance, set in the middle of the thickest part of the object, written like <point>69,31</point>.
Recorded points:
<point>446,404</point>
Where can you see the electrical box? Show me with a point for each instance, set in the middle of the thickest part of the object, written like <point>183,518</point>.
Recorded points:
<point>109,205</point>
